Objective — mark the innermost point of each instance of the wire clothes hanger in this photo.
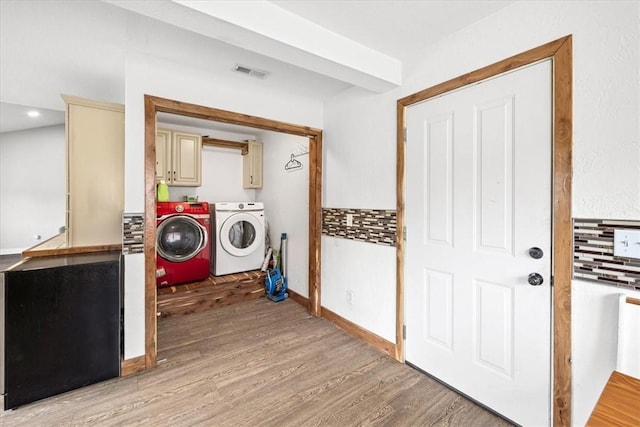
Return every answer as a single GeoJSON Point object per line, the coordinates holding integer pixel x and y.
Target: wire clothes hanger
{"type": "Point", "coordinates": [292, 164]}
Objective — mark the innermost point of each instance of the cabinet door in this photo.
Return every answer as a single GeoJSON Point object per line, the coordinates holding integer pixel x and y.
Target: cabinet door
{"type": "Point", "coordinates": [95, 173]}
{"type": "Point", "coordinates": [62, 328]}
{"type": "Point", "coordinates": [163, 154]}
{"type": "Point", "coordinates": [252, 166]}
{"type": "Point", "coordinates": [186, 159]}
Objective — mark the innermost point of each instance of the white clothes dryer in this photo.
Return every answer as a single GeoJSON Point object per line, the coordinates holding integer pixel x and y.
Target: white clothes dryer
{"type": "Point", "coordinates": [239, 237]}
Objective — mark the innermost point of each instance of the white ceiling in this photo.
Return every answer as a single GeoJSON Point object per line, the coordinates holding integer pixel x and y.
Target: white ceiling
{"type": "Point", "coordinates": [403, 29]}
{"type": "Point", "coordinates": [14, 117]}
{"type": "Point", "coordinates": [315, 48]}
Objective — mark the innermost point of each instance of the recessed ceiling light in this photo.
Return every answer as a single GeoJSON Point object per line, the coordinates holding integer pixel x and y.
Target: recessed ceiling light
{"type": "Point", "coordinates": [33, 113]}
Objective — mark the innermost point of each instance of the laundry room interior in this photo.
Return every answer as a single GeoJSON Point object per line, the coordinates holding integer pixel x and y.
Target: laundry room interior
{"type": "Point", "coordinates": [282, 160]}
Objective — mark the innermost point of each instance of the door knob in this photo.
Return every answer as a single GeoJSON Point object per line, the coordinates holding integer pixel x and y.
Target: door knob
{"type": "Point", "coordinates": [536, 253]}
{"type": "Point", "coordinates": [535, 279]}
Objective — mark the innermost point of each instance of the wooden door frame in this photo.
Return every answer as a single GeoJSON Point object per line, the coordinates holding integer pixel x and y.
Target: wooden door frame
{"type": "Point", "coordinates": [560, 53]}
{"type": "Point", "coordinates": [154, 105]}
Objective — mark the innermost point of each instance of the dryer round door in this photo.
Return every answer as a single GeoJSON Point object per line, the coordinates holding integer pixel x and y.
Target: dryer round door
{"type": "Point", "coordinates": [180, 238]}
{"type": "Point", "coordinates": [241, 234]}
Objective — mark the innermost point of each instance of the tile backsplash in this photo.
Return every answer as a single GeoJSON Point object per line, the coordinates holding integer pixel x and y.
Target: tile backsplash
{"type": "Point", "coordinates": [132, 233]}
{"type": "Point", "coordinates": [593, 257]}
{"type": "Point", "coordinates": [368, 225]}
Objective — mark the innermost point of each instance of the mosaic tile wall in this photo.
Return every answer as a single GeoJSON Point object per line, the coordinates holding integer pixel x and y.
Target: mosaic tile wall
{"type": "Point", "coordinates": [593, 253]}
{"type": "Point", "coordinates": [369, 225]}
{"type": "Point", "coordinates": [132, 233]}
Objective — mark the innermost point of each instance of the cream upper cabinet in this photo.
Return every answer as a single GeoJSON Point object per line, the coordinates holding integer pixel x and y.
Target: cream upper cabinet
{"type": "Point", "coordinates": [179, 158]}
{"type": "Point", "coordinates": [95, 172]}
{"type": "Point", "coordinates": [163, 154]}
{"type": "Point", "coordinates": [252, 166]}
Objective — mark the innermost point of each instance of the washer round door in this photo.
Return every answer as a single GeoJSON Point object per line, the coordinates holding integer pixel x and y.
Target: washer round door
{"type": "Point", "coordinates": [241, 234]}
{"type": "Point", "coordinates": [179, 238]}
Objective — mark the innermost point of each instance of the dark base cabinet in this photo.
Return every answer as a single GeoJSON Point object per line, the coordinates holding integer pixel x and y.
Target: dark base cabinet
{"type": "Point", "coordinates": [61, 325]}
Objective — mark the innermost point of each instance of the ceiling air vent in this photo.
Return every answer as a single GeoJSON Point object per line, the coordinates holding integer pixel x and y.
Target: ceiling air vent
{"type": "Point", "coordinates": [253, 72]}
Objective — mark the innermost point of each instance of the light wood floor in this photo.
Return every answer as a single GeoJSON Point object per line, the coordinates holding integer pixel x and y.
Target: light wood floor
{"type": "Point", "coordinates": [260, 363]}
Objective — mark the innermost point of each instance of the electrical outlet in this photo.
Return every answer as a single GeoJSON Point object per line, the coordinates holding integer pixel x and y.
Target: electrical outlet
{"type": "Point", "coordinates": [349, 297]}
{"type": "Point", "coordinates": [349, 220]}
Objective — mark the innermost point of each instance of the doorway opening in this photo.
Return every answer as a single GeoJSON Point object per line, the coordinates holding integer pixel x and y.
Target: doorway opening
{"type": "Point", "coordinates": [154, 105]}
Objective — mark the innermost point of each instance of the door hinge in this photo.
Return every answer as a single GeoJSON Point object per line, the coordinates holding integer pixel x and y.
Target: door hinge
{"type": "Point", "coordinates": [404, 332]}
{"type": "Point", "coordinates": [551, 284]}
{"type": "Point", "coordinates": [404, 135]}
{"type": "Point", "coordinates": [404, 233]}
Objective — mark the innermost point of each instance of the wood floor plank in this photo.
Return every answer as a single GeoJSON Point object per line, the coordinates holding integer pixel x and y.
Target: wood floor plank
{"type": "Point", "coordinates": [259, 363]}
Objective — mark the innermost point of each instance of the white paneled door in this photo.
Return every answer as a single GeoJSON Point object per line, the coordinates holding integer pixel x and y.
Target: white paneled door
{"type": "Point", "coordinates": [478, 215]}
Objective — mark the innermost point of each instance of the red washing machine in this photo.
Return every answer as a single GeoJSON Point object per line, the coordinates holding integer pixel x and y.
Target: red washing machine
{"type": "Point", "coordinates": [182, 242]}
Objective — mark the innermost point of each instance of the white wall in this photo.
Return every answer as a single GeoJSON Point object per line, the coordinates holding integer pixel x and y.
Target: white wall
{"type": "Point", "coordinates": [32, 187]}
{"type": "Point", "coordinates": [360, 141]}
{"type": "Point", "coordinates": [595, 326]}
{"type": "Point", "coordinates": [221, 177]}
{"type": "Point", "coordinates": [180, 81]}
{"type": "Point", "coordinates": [285, 195]}
{"type": "Point", "coordinates": [359, 171]}
{"type": "Point", "coordinates": [367, 272]}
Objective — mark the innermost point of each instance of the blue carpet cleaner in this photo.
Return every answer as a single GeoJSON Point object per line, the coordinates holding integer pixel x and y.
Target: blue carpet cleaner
{"type": "Point", "coordinates": [275, 282]}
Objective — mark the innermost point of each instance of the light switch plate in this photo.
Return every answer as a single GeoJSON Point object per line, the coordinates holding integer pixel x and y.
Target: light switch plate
{"type": "Point", "coordinates": [626, 243]}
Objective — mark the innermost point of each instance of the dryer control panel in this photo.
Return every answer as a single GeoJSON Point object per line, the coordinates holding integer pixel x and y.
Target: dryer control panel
{"type": "Point", "coordinates": [238, 206]}
{"type": "Point", "coordinates": [167, 208]}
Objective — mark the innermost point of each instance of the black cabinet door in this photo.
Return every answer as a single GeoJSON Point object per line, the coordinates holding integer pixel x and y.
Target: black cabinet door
{"type": "Point", "coordinates": [62, 329]}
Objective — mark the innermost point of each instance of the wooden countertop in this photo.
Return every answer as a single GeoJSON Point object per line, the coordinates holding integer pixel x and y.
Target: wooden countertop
{"type": "Point", "coordinates": [41, 263]}
{"type": "Point", "coordinates": [619, 403]}
{"type": "Point", "coordinates": [57, 245]}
